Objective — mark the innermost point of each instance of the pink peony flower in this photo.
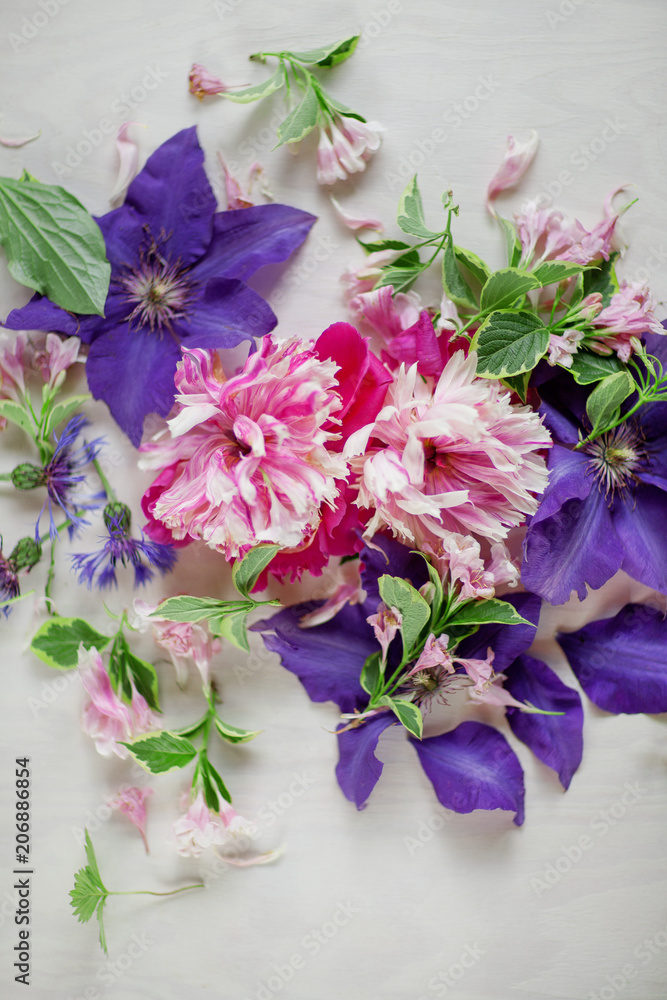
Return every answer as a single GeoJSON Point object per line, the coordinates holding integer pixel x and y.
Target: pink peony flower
{"type": "Point", "coordinates": [187, 643]}
{"type": "Point", "coordinates": [198, 829]}
{"type": "Point", "coordinates": [106, 718]}
{"type": "Point", "coordinates": [518, 157]}
{"type": "Point", "coordinates": [452, 455]}
{"type": "Point", "coordinates": [204, 84]}
{"type": "Point", "coordinates": [626, 318]}
{"type": "Point", "coordinates": [132, 803]}
{"type": "Point", "coordinates": [249, 455]}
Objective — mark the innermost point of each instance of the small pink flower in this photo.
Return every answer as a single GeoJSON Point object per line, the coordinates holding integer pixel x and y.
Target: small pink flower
{"type": "Point", "coordinates": [386, 624]}
{"type": "Point", "coordinates": [106, 718]}
{"type": "Point", "coordinates": [563, 346]}
{"type": "Point", "coordinates": [187, 643]}
{"type": "Point", "coordinates": [518, 157]}
{"type": "Point", "coordinates": [14, 359]}
{"type": "Point", "coordinates": [241, 196]}
{"type": "Point", "coordinates": [198, 829]}
{"type": "Point", "coordinates": [479, 671]}
{"type": "Point", "coordinates": [434, 654]}
{"type": "Point", "coordinates": [250, 455]}
{"type": "Point", "coordinates": [204, 84]}
{"type": "Point", "coordinates": [329, 167]}
{"type": "Point", "coordinates": [55, 358]}
{"type": "Point", "coordinates": [459, 558]}
{"type": "Point", "coordinates": [132, 803]}
{"type": "Point", "coordinates": [628, 315]}
{"type": "Point", "coordinates": [345, 146]}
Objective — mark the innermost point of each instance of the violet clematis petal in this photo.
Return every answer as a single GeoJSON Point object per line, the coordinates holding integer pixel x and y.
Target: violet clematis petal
{"type": "Point", "coordinates": [388, 556]}
{"type": "Point", "coordinates": [620, 662]}
{"type": "Point", "coordinates": [227, 313]}
{"type": "Point", "coordinates": [558, 551]}
{"type": "Point", "coordinates": [41, 314]}
{"type": "Point", "coordinates": [249, 238]}
{"type": "Point", "coordinates": [556, 739]}
{"type": "Point", "coordinates": [327, 658]}
{"type": "Point", "coordinates": [473, 767]}
{"type": "Point", "coordinates": [358, 769]}
{"type": "Point", "coordinates": [124, 236]}
{"type": "Point", "coordinates": [173, 192]}
{"type": "Point", "coordinates": [654, 430]}
{"type": "Point", "coordinates": [640, 524]}
{"type": "Point", "coordinates": [569, 479]}
{"type": "Point", "coordinates": [506, 641]}
{"type": "Point", "coordinates": [118, 362]}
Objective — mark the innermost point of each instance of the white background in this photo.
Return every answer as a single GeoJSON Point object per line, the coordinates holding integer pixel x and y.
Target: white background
{"type": "Point", "coordinates": [590, 77]}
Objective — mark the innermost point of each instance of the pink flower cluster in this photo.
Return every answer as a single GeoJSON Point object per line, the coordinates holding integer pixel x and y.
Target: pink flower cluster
{"type": "Point", "coordinates": [106, 718]}
{"type": "Point", "coordinates": [345, 146]}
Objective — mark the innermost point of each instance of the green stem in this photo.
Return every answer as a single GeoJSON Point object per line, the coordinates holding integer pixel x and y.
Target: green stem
{"type": "Point", "coordinates": [49, 579]}
{"type": "Point", "coordinates": [5, 477]}
{"type": "Point", "coordinates": [108, 489]}
{"type": "Point", "coordinates": [149, 892]}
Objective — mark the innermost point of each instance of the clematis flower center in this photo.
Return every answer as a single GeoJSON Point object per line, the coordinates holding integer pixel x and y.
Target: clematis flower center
{"type": "Point", "coordinates": [158, 291]}
{"type": "Point", "coordinates": [615, 458]}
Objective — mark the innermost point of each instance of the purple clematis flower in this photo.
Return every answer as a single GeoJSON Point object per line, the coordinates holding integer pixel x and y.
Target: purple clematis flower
{"type": "Point", "coordinates": [471, 766]}
{"type": "Point", "coordinates": [178, 272]}
{"type": "Point", "coordinates": [605, 506]}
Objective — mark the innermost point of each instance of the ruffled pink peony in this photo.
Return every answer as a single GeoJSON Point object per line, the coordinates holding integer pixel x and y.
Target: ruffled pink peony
{"type": "Point", "coordinates": [249, 456]}
{"type": "Point", "coordinates": [187, 643]}
{"type": "Point", "coordinates": [106, 718]}
{"type": "Point", "coordinates": [454, 455]}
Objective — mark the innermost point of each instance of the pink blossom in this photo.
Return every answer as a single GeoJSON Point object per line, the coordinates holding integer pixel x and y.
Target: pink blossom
{"type": "Point", "coordinates": [347, 589]}
{"type": "Point", "coordinates": [434, 654]}
{"type": "Point", "coordinates": [14, 358]}
{"type": "Point", "coordinates": [385, 313]}
{"type": "Point", "coordinates": [187, 643]}
{"type": "Point", "coordinates": [563, 346]}
{"type": "Point", "coordinates": [249, 454]}
{"type": "Point", "coordinates": [55, 358]}
{"type": "Point", "coordinates": [241, 196]}
{"type": "Point", "coordinates": [495, 694]}
{"type": "Point", "coordinates": [329, 167]}
{"type": "Point", "coordinates": [479, 671]}
{"type": "Point", "coordinates": [132, 803]}
{"type": "Point", "coordinates": [344, 147]}
{"type": "Point", "coordinates": [198, 829]}
{"type": "Point", "coordinates": [518, 157]}
{"type": "Point", "coordinates": [106, 718]}
{"type": "Point", "coordinates": [452, 455]}
{"type": "Point", "coordinates": [459, 558]}
{"type": "Point", "coordinates": [356, 222]}
{"type": "Point", "coordinates": [628, 315]}
{"type": "Point", "coordinates": [204, 84]}
{"type": "Point", "coordinates": [386, 623]}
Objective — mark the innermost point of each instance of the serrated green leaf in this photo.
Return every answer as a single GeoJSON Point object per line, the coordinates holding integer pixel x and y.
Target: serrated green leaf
{"type": "Point", "coordinates": [588, 367]}
{"type": "Point", "coordinates": [162, 752]}
{"type": "Point", "coordinates": [398, 593]}
{"type": "Point", "coordinates": [453, 282]}
{"type": "Point", "coordinates": [247, 571]}
{"type": "Point", "coordinates": [54, 245]}
{"type": "Point", "coordinates": [57, 641]}
{"type": "Point", "coordinates": [17, 414]}
{"type": "Point", "coordinates": [194, 609]}
{"type": "Point", "coordinates": [509, 343]}
{"type": "Point", "coordinates": [301, 120]}
{"type": "Point", "coordinates": [504, 287]}
{"type": "Point", "coordinates": [607, 396]}
{"type": "Point", "coordinates": [62, 411]}
{"type": "Point", "coordinates": [485, 613]}
{"type": "Point", "coordinates": [519, 384]}
{"type": "Point", "coordinates": [145, 680]}
{"type": "Point", "coordinates": [371, 674]}
{"type": "Point", "coordinates": [258, 91]}
{"type": "Point", "coordinates": [408, 714]}
{"type": "Point", "coordinates": [232, 734]}
{"type": "Point", "coordinates": [557, 270]}
{"type": "Point", "coordinates": [327, 55]}
{"type": "Point", "coordinates": [86, 895]}
{"type": "Point", "coordinates": [602, 279]}
{"type": "Point", "coordinates": [400, 278]}
{"type": "Point", "coordinates": [233, 628]}
{"type": "Point", "coordinates": [411, 212]}
{"type": "Point", "coordinates": [377, 245]}
{"type": "Point", "coordinates": [512, 242]}
{"type": "Point", "coordinates": [477, 267]}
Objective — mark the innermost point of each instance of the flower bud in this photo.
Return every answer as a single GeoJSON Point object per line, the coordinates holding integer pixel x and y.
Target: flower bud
{"type": "Point", "coordinates": [26, 553]}
{"type": "Point", "coordinates": [117, 516]}
{"type": "Point", "coordinates": [28, 477]}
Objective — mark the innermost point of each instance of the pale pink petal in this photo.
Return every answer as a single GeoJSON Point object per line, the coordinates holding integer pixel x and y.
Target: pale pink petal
{"type": "Point", "coordinates": [356, 222]}
{"type": "Point", "coordinates": [128, 159]}
{"type": "Point", "coordinates": [18, 142]}
{"type": "Point", "coordinates": [132, 803]}
{"type": "Point", "coordinates": [518, 157]}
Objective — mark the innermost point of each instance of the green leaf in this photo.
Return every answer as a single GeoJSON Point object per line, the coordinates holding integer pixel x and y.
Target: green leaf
{"type": "Point", "coordinates": [416, 612]}
{"type": "Point", "coordinates": [408, 714]}
{"type": "Point", "coordinates": [453, 282]}
{"type": "Point", "coordinates": [211, 781]}
{"type": "Point", "coordinates": [89, 893]}
{"type": "Point", "coordinates": [557, 270]}
{"type": "Point", "coordinates": [371, 674]}
{"type": "Point", "coordinates": [57, 641]}
{"type": "Point", "coordinates": [62, 411]}
{"type": "Point", "coordinates": [247, 571]}
{"type": "Point", "coordinates": [509, 343]}
{"type": "Point", "coordinates": [301, 120]}
{"type": "Point", "coordinates": [53, 245]}
{"type": "Point", "coordinates": [343, 109]}
{"type": "Point", "coordinates": [232, 734]}
{"type": "Point", "coordinates": [194, 609]}
{"type": "Point", "coordinates": [519, 384]}
{"type": "Point", "coordinates": [486, 612]}
{"type": "Point", "coordinates": [144, 676]}
{"type": "Point", "coordinates": [602, 279]}
{"type": "Point", "coordinates": [512, 242]}
{"type": "Point", "coordinates": [411, 212]}
{"type": "Point", "coordinates": [473, 263]}
{"type": "Point", "coordinates": [257, 92]}
{"type": "Point", "coordinates": [434, 576]}
{"type": "Point", "coordinates": [377, 245]}
{"type": "Point", "coordinates": [327, 55]}
{"type": "Point", "coordinates": [18, 415]}
{"type": "Point", "coordinates": [162, 752]}
{"type": "Point", "coordinates": [607, 396]}
{"type": "Point", "coordinates": [233, 628]}
{"type": "Point", "coordinates": [504, 287]}
{"type": "Point", "coordinates": [588, 367]}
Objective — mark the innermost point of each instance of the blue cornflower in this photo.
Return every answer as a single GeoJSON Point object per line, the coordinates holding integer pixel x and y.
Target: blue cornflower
{"type": "Point", "coordinates": [62, 475]}
{"type": "Point", "coordinates": [119, 546]}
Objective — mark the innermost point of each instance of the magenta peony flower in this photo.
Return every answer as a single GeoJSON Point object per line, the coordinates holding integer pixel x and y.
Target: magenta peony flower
{"type": "Point", "coordinates": [249, 454]}
{"type": "Point", "coordinates": [452, 455]}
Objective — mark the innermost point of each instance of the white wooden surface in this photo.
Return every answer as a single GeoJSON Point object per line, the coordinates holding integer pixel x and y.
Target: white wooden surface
{"type": "Point", "coordinates": [409, 901]}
